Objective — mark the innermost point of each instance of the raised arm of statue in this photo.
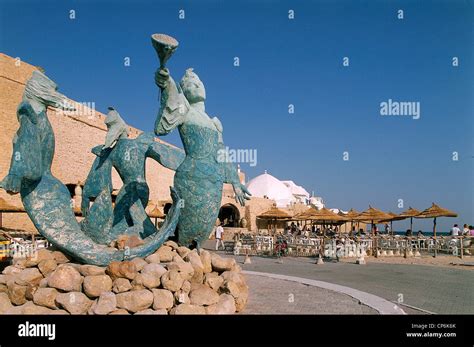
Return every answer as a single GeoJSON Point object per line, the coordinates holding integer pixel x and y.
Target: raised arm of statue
{"type": "Point", "coordinates": [173, 103]}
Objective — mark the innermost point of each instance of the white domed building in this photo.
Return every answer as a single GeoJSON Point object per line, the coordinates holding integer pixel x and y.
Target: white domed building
{"type": "Point", "coordinates": [267, 186]}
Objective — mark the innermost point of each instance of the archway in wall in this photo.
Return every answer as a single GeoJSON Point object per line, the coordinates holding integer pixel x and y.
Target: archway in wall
{"type": "Point", "coordinates": [229, 215]}
{"type": "Point", "coordinates": [167, 207]}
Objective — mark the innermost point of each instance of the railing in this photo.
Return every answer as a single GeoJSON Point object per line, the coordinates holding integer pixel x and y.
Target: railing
{"type": "Point", "coordinates": [340, 246]}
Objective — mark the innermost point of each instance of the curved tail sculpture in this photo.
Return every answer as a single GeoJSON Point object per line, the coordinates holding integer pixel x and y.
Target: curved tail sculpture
{"type": "Point", "coordinates": [47, 201]}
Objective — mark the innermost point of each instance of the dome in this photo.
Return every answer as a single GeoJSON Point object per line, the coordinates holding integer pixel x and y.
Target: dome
{"type": "Point", "coordinates": [268, 186]}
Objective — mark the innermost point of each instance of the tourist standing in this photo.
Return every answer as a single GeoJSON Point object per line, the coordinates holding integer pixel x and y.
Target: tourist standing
{"type": "Point", "coordinates": [455, 230]}
{"type": "Point", "coordinates": [219, 234]}
{"type": "Point", "coordinates": [465, 231]}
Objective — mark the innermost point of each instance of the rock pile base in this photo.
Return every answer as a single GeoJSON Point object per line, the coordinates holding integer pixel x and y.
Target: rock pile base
{"type": "Point", "coordinates": [173, 280]}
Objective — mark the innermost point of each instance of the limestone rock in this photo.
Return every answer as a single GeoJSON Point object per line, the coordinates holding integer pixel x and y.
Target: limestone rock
{"type": "Point", "coordinates": [226, 305]}
{"type": "Point", "coordinates": [135, 301]}
{"type": "Point", "coordinates": [206, 260]}
{"type": "Point", "coordinates": [46, 297]}
{"type": "Point", "coordinates": [162, 299]}
{"type": "Point", "coordinates": [213, 280]}
{"type": "Point", "coordinates": [11, 270]}
{"type": "Point", "coordinates": [196, 262]}
{"type": "Point", "coordinates": [171, 244]}
{"type": "Point", "coordinates": [65, 278]}
{"type": "Point", "coordinates": [186, 270]}
{"type": "Point", "coordinates": [91, 270]}
{"type": "Point", "coordinates": [166, 254]}
{"type": "Point", "coordinates": [43, 283]}
{"type": "Point", "coordinates": [220, 264]}
{"type": "Point", "coordinates": [5, 303]}
{"type": "Point", "coordinates": [60, 257]}
{"type": "Point", "coordinates": [186, 287]}
{"type": "Point", "coordinates": [188, 309]}
{"type": "Point", "coordinates": [95, 285]}
{"type": "Point", "coordinates": [17, 293]}
{"type": "Point", "coordinates": [183, 251]}
{"type": "Point", "coordinates": [154, 269]}
{"type": "Point", "coordinates": [3, 288]}
{"type": "Point", "coordinates": [74, 302]}
{"type": "Point", "coordinates": [172, 280]}
{"type": "Point", "coordinates": [29, 308]}
{"type": "Point", "coordinates": [121, 285]}
{"type": "Point", "coordinates": [47, 266]}
{"type": "Point", "coordinates": [203, 296]}
{"type": "Point", "coordinates": [177, 259]}
{"type": "Point", "coordinates": [121, 269]}
{"type": "Point", "coordinates": [139, 263]}
{"type": "Point", "coordinates": [146, 280]}
{"type": "Point", "coordinates": [153, 258]}
{"type": "Point", "coordinates": [181, 297]}
{"type": "Point", "coordinates": [120, 312]}
{"type": "Point", "coordinates": [106, 304]}
{"type": "Point", "coordinates": [29, 276]}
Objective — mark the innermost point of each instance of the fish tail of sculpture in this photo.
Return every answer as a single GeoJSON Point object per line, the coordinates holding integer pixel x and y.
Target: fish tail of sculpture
{"type": "Point", "coordinates": [48, 205]}
{"type": "Point", "coordinates": [99, 218]}
{"type": "Point", "coordinates": [167, 230]}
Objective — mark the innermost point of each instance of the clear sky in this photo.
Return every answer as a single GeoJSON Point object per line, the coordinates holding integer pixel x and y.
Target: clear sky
{"type": "Point", "coordinates": [282, 62]}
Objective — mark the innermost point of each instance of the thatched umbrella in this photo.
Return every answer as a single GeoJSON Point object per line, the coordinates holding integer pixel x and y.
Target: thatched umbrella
{"type": "Point", "coordinates": [394, 217]}
{"type": "Point", "coordinates": [410, 213]}
{"type": "Point", "coordinates": [434, 212]}
{"type": "Point", "coordinates": [350, 215]}
{"type": "Point", "coordinates": [373, 215]}
{"type": "Point", "coordinates": [156, 213]}
{"type": "Point", "coordinates": [273, 215]}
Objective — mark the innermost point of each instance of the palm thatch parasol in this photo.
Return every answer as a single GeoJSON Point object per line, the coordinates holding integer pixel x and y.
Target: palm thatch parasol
{"type": "Point", "coordinates": [434, 212]}
{"type": "Point", "coordinates": [372, 215]}
{"type": "Point", "coordinates": [350, 215]}
{"type": "Point", "coordinates": [156, 213]}
{"type": "Point", "coordinates": [393, 218]}
{"type": "Point", "coordinates": [410, 213]}
{"type": "Point", "coordinates": [273, 215]}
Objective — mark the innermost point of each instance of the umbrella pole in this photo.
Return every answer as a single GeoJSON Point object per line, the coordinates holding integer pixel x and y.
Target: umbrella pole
{"type": "Point", "coordinates": [411, 224]}
{"type": "Point", "coordinates": [434, 235]}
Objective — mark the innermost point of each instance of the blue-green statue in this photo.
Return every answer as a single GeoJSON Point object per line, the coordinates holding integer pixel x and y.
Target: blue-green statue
{"type": "Point", "coordinates": [128, 157]}
{"type": "Point", "coordinates": [200, 177]}
{"type": "Point", "coordinates": [48, 202]}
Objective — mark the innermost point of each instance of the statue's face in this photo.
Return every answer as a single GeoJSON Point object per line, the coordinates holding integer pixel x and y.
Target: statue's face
{"type": "Point", "coordinates": [194, 89]}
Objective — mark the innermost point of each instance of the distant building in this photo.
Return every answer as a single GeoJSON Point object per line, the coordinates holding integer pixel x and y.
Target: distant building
{"type": "Point", "coordinates": [285, 193]}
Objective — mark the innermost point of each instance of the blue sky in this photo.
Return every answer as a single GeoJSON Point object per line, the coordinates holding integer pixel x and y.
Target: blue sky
{"type": "Point", "coordinates": [286, 62]}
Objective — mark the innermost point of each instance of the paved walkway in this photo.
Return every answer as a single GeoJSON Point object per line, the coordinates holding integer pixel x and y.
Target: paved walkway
{"type": "Point", "coordinates": [438, 290]}
{"type": "Point", "coordinates": [276, 296]}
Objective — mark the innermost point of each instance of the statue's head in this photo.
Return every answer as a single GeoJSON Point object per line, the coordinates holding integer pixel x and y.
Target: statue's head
{"type": "Point", "coordinates": [192, 87]}
{"type": "Point", "coordinates": [42, 90]}
{"type": "Point", "coordinates": [116, 128]}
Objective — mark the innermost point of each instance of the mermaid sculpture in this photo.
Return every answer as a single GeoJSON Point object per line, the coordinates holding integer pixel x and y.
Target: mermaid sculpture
{"type": "Point", "coordinates": [200, 177]}
{"type": "Point", "coordinates": [128, 157]}
{"type": "Point", "coordinates": [47, 200]}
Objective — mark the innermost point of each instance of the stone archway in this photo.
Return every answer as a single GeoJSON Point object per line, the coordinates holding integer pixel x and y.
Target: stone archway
{"type": "Point", "coordinates": [167, 207]}
{"type": "Point", "coordinates": [229, 215]}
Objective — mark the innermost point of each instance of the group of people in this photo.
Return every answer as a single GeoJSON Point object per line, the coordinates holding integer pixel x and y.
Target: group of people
{"type": "Point", "coordinates": [466, 231]}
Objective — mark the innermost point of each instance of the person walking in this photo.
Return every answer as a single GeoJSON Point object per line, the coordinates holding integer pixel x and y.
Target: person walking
{"type": "Point", "coordinates": [219, 234]}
